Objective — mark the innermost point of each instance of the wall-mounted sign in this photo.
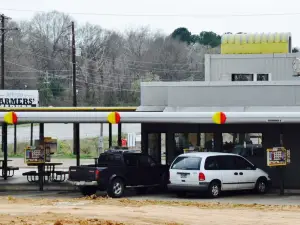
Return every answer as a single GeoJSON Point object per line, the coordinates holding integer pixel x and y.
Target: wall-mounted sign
{"type": "Point", "coordinates": [19, 98]}
{"type": "Point", "coordinates": [50, 144]}
{"type": "Point", "coordinates": [36, 155]}
{"type": "Point", "coordinates": [278, 156]}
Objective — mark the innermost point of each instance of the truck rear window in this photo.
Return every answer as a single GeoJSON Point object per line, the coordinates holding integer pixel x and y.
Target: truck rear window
{"type": "Point", "coordinates": [186, 163]}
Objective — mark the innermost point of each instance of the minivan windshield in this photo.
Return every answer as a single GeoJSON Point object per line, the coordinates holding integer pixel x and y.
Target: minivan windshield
{"type": "Point", "coordinates": [186, 163]}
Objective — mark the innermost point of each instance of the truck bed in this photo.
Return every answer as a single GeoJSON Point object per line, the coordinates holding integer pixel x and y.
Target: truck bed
{"type": "Point", "coordinates": [84, 173]}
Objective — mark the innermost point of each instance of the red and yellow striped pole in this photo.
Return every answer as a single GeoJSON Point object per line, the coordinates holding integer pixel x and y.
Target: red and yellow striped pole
{"type": "Point", "coordinates": [10, 118]}
{"type": "Point", "coordinates": [219, 118]}
{"type": "Point", "coordinates": [114, 117]}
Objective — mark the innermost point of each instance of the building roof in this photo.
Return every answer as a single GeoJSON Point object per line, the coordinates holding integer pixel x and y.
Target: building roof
{"type": "Point", "coordinates": [220, 83]}
{"type": "Point", "coordinates": [220, 109]}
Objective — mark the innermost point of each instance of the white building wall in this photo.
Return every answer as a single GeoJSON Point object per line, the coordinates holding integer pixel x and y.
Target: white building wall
{"type": "Point", "coordinates": [221, 67]}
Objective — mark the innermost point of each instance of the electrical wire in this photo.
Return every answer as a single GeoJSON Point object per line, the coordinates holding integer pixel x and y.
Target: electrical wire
{"type": "Point", "coordinates": [93, 84]}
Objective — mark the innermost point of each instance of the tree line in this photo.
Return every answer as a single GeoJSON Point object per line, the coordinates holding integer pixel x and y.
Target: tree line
{"type": "Point", "coordinates": [111, 64]}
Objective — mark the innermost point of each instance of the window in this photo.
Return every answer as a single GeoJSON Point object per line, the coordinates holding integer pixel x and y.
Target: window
{"type": "Point", "coordinates": [242, 164]}
{"type": "Point", "coordinates": [263, 77]}
{"type": "Point", "coordinates": [226, 162]}
{"type": "Point", "coordinates": [242, 77]}
{"type": "Point", "coordinates": [145, 160]}
{"type": "Point", "coordinates": [130, 160]}
{"type": "Point", "coordinates": [211, 163]}
{"type": "Point", "coordinates": [110, 159]}
{"type": "Point", "coordinates": [186, 163]}
{"type": "Point", "coordinates": [243, 144]}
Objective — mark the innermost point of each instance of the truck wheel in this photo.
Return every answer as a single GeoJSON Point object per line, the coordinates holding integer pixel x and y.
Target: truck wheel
{"type": "Point", "coordinates": [88, 191]}
{"type": "Point", "coordinates": [116, 188]}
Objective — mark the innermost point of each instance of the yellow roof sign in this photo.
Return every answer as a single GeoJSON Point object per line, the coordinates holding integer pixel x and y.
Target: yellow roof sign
{"type": "Point", "coordinates": [256, 43]}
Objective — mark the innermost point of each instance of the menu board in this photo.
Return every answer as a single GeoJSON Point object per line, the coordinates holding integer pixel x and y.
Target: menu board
{"type": "Point", "coordinates": [277, 156]}
{"type": "Point", "coordinates": [36, 155]}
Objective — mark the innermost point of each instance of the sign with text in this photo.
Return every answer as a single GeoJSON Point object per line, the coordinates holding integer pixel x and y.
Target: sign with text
{"type": "Point", "coordinates": [278, 156]}
{"type": "Point", "coordinates": [19, 98]}
{"type": "Point", "coordinates": [36, 155]}
{"type": "Point", "coordinates": [50, 144]}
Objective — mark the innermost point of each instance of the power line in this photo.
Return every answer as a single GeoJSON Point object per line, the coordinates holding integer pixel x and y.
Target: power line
{"type": "Point", "coordinates": [161, 15]}
{"type": "Point", "coordinates": [36, 70]}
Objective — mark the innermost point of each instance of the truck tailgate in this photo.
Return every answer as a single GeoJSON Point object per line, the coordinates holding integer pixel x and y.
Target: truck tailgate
{"type": "Point", "coordinates": [82, 173]}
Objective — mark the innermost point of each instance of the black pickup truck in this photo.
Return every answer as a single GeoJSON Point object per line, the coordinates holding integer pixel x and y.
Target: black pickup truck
{"type": "Point", "coordinates": [117, 170]}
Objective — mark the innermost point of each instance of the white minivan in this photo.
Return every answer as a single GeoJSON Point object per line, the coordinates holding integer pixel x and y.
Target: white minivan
{"type": "Point", "coordinates": [214, 172]}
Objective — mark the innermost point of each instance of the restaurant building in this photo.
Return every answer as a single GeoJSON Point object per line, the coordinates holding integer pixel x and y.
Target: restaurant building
{"type": "Point", "coordinates": [253, 73]}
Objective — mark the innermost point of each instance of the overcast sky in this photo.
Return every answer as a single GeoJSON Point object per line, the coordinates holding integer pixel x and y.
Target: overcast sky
{"type": "Point", "coordinates": [203, 9]}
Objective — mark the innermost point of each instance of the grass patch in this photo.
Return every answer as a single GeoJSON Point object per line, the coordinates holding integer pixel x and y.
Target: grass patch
{"type": "Point", "coordinates": [88, 148]}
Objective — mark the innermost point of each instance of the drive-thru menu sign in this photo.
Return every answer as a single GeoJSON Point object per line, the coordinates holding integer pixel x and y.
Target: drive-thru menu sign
{"type": "Point", "coordinates": [19, 98]}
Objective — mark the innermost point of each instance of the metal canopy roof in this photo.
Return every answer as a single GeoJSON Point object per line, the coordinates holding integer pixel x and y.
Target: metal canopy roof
{"type": "Point", "coordinates": [155, 117]}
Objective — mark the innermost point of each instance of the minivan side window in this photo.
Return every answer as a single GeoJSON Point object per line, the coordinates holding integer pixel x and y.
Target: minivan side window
{"type": "Point", "coordinates": [242, 164]}
{"type": "Point", "coordinates": [226, 162]}
{"type": "Point", "coordinates": [211, 163]}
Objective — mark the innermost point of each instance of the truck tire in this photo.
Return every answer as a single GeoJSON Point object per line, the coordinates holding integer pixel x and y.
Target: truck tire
{"type": "Point", "coordinates": [88, 191]}
{"type": "Point", "coordinates": [116, 188]}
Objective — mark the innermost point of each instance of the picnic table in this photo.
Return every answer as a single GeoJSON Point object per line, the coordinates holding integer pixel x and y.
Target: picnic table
{"type": "Point", "coordinates": [10, 169]}
{"type": "Point", "coordinates": [46, 172]}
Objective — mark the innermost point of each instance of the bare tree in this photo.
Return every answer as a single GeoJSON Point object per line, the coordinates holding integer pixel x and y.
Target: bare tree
{"type": "Point", "coordinates": [111, 65]}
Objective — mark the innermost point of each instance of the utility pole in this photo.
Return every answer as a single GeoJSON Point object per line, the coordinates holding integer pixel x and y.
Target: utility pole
{"type": "Point", "coordinates": [76, 134]}
{"type": "Point", "coordinates": [4, 125]}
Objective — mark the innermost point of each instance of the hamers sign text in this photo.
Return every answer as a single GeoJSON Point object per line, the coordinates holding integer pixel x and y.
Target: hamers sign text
{"type": "Point", "coordinates": [19, 98]}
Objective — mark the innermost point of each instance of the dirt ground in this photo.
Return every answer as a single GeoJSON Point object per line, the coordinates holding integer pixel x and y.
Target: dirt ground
{"type": "Point", "coordinates": [105, 211]}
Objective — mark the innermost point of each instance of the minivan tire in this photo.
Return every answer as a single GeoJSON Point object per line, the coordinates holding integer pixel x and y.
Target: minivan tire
{"type": "Point", "coordinates": [88, 190]}
{"type": "Point", "coordinates": [214, 189]}
{"type": "Point", "coordinates": [116, 188]}
{"type": "Point", "coordinates": [261, 186]}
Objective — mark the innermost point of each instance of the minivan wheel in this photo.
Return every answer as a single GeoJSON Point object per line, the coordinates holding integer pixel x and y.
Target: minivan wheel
{"type": "Point", "coordinates": [261, 186]}
{"type": "Point", "coordinates": [116, 188]}
{"type": "Point", "coordinates": [214, 190]}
